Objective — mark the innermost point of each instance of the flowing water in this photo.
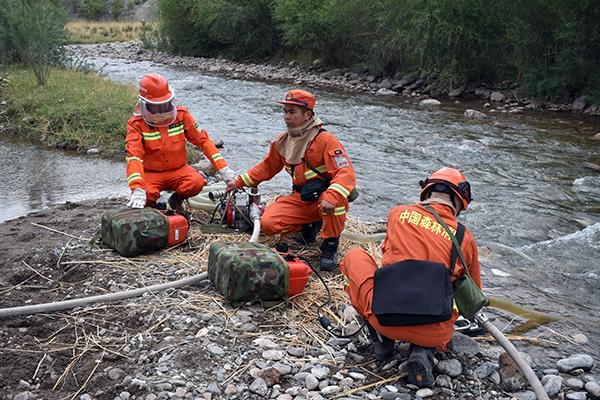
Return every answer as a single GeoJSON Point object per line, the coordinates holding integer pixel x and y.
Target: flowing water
{"type": "Point", "coordinates": [531, 188]}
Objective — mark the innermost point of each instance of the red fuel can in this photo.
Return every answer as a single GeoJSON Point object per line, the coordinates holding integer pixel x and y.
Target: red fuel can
{"type": "Point", "coordinates": [299, 274]}
{"type": "Point", "coordinates": [178, 229]}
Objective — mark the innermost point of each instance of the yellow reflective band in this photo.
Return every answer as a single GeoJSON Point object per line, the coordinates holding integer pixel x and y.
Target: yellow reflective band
{"type": "Point", "coordinates": [134, 177]}
{"type": "Point", "coordinates": [346, 280]}
{"type": "Point", "coordinates": [340, 189]}
{"type": "Point", "coordinates": [339, 211]}
{"type": "Point", "coordinates": [247, 180]}
{"type": "Point", "coordinates": [217, 156]}
{"type": "Point", "coordinates": [129, 159]}
{"type": "Point", "coordinates": [176, 132]}
{"type": "Point", "coordinates": [288, 170]}
{"type": "Point", "coordinates": [151, 135]}
{"type": "Point", "coordinates": [309, 173]}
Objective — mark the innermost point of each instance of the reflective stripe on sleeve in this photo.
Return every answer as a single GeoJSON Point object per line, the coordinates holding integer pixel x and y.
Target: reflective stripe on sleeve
{"type": "Point", "coordinates": [217, 157]}
{"type": "Point", "coordinates": [247, 180]}
{"type": "Point", "coordinates": [133, 177]}
{"type": "Point", "coordinates": [341, 210]}
{"type": "Point", "coordinates": [340, 189]}
{"type": "Point", "coordinates": [309, 173]}
{"type": "Point", "coordinates": [129, 159]}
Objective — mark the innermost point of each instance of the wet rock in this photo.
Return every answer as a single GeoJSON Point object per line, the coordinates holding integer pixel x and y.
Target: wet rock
{"type": "Point", "coordinates": [596, 136]}
{"type": "Point", "coordinates": [497, 96]}
{"type": "Point", "coordinates": [385, 84]}
{"type": "Point", "coordinates": [574, 362]}
{"type": "Point", "coordinates": [430, 102]}
{"type": "Point", "coordinates": [487, 105]}
{"type": "Point", "coordinates": [424, 393]}
{"type": "Point", "coordinates": [456, 92]}
{"type": "Point", "coordinates": [474, 114]}
{"type": "Point", "coordinates": [259, 387]}
{"type": "Point", "coordinates": [552, 384]}
{"type": "Point", "coordinates": [452, 367]}
{"type": "Point", "coordinates": [579, 104]}
{"type": "Point", "coordinates": [576, 396]}
{"type": "Point", "coordinates": [593, 388]}
{"type": "Point", "coordinates": [385, 92]}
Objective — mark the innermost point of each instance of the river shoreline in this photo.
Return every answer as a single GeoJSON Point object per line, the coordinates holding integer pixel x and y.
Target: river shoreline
{"type": "Point", "coordinates": [500, 98]}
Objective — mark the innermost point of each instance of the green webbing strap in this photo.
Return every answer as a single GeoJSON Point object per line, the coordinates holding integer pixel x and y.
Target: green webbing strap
{"type": "Point", "coordinates": [454, 241]}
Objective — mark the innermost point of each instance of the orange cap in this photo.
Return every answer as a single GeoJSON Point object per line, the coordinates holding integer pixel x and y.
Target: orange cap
{"type": "Point", "coordinates": [299, 97]}
{"type": "Point", "coordinates": [155, 89]}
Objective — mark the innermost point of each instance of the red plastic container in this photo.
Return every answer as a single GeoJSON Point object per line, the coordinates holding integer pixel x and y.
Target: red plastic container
{"type": "Point", "coordinates": [299, 274]}
{"type": "Point", "coordinates": [178, 229]}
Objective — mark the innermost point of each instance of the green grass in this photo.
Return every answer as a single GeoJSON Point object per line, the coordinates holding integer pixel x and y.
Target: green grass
{"type": "Point", "coordinates": [84, 32]}
{"type": "Point", "coordinates": [74, 111]}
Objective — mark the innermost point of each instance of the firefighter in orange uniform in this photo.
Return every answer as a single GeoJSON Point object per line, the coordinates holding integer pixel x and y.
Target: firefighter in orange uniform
{"type": "Point", "coordinates": [155, 146]}
{"type": "Point", "coordinates": [414, 234]}
{"type": "Point", "coordinates": [322, 175]}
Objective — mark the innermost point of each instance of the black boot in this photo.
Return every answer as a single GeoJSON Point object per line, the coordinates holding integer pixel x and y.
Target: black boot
{"type": "Point", "coordinates": [383, 346]}
{"type": "Point", "coordinates": [419, 367]}
{"type": "Point", "coordinates": [329, 256]}
{"type": "Point", "coordinates": [309, 232]}
{"type": "Point", "coordinates": [176, 202]}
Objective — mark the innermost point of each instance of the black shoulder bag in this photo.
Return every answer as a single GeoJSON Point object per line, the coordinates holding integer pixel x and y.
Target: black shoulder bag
{"type": "Point", "coordinates": [312, 189]}
{"type": "Point", "coordinates": [468, 296]}
{"type": "Point", "coordinates": [414, 292]}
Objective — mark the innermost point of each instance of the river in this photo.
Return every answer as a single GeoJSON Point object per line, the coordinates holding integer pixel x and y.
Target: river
{"type": "Point", "coordinates": [532, 190]}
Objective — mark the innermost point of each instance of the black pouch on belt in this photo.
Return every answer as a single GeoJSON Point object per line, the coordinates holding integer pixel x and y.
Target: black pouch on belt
{"type": "Point", "coordinates": [311, 190]}
{"type": "Point", "coordinates": [412, 292]}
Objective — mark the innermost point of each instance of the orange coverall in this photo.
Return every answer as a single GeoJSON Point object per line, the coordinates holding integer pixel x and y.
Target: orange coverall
{"type": "Point", "coordinates": [156, 156]}
{"type": "Point", "coordinates": [412, 233]}
{"type": "Point", "coordinates": [288, 213]}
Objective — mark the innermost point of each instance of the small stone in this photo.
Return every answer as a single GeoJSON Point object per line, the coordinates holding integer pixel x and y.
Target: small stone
{"type": "Point", "coordinates": [215, 349]}
{"type": "Point", "coordinates": [311, 382]}
{"type": "Point", "coordinates": [284, 396]}
{"type": "Point", "coordinates": [485, 370]}
{"type": "Point", "coordinates": [593, 388]}
{"type": "Point", "coordinates": [27, 395]}
{"type": "Point", "coordinates": [464, 344]}
{"type": "Point", "coordinates": [451, 367]}
{"type": "Point", "coordinates": [443, 381]}
{"type": "Point", "coordinates": [429, 102]}
{"type": "Point", "coordinates": [576, 396]}
{"type": "Point", "coordinates": [574, 383]}
{"type": "Point", "coordinates": [214, 388]}
{"type": "Point", "coordinates": [574, 362]}
{"type": "Point", "coordinates": [596, 136]}
{"type": "Point", "coordinates": [474, 114]}
{"type": "Point", "coordinates": [230, 389]}
{"type": "Point", "coordinates": [93, 151]}
{"type": "Point", "coordinates": [85, 396]}
{"type": "Point", "coordinates": [259, 387]}
{"type": "Point", "coordinates": [296, 351]}
{"type": "Point", "coordinates": [116, 374]}
{"type": "Point", "coordinates": [269, 375]}
{"type": "Point", "coordinates": [552, 384]}
{"type": "Point", "coordinates": [274, 355]}
{"type": "Point", "coordinates": [327, 390]}
{"type": "Point", "coordinates": [125, 395]}
{"type": "Point", "coordinates": [357, 375]}
{"type": "Point", "coordinates": [180, 392]}
{"type": "Point", "coordinates": [526, 395]}
{"type": "Point", "coordinates": [265, 343]}
{"type": "Point", "coordinates": [424, 393]}
{"type": "Point", "coordinates": [320, 372]}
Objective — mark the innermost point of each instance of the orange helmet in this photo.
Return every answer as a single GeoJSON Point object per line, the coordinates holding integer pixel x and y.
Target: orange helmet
{"type": "Point", "coordinates": [156, 100]}
{"type": "Point", "coordinates": [452, 180]}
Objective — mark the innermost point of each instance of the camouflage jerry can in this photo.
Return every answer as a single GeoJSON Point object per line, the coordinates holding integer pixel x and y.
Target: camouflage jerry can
{"type": "Point", "coordinates": [136, 231]}
{"type": "Point", "coordinates": [248, 271]}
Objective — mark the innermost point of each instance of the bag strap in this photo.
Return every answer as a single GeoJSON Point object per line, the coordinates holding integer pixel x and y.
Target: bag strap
{"type": "Point", "coordinates": [455, 242]}
{"type": "Point", "coordinates": [460, 234]}
{"type": "Point", "coordinates": [316, 171]}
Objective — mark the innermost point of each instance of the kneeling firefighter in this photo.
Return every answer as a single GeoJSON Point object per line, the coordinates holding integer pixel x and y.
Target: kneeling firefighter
{"type": "Point", "coordinates": [410, 297]}
{"type": "Point", "coordinates": [322, 175]}
{"type": "Point", "coordinates": [155, 145]}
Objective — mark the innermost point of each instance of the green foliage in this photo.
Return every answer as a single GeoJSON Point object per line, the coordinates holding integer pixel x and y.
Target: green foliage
{"type": "Point", "coordinates": [116, 8]}
{"type": "Point", "coordinates": [551, 47]}
{"type": "Point", "coordinates": [92, 9]}
{"type": "Point", "coordinates": [219, 27]}
{"type": "Point", "coordinates": [74, 110]}
{"type": "Point", "coordinates": [33, 31]}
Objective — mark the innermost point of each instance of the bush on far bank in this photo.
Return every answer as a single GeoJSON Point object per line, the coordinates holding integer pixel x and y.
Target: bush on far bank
{"type": "Point", "coordinates": [75, 110]}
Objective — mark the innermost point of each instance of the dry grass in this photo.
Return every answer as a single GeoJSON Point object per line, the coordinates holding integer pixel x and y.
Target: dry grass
{"type": "Point", "coordinates": [83, 31]}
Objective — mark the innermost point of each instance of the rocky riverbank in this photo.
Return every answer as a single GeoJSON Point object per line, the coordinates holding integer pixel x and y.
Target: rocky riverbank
{"type": "Point", "coordinates": [190, 344]}
{"type": "Point", "coordinates": [501, 98]}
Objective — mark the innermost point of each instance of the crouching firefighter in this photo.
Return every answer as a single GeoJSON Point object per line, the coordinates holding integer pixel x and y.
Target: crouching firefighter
{"type": "Point", "coordinates": [322, 175]}
{"type": "Point", "coordinates": [155, 145]}
{"type": "Point", "coordinates": [410, 297]}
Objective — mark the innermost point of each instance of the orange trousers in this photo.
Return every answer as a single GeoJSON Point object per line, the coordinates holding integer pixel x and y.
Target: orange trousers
{"type": "Point", "coordinates": [288, 213]}
{"type": "Point", "coordinates": [185, 181]}
{"type": "Point", "coordinates": [358, 268]}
